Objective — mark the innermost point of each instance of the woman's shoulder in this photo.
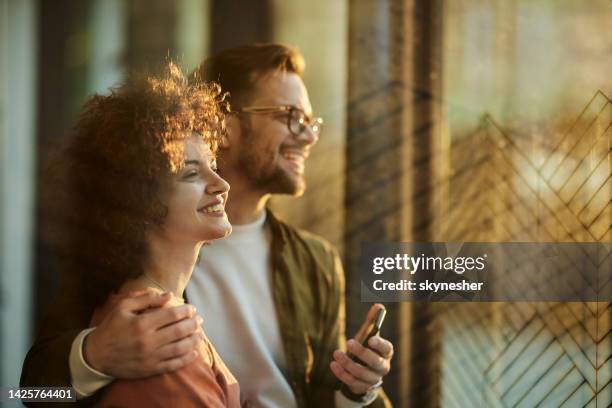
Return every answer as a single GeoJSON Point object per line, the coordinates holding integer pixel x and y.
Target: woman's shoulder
{"type": "Point", "coordinates": [205, 382]}
{"type": "Point", "coordinates": [218, 365]}
{"type": "Point", "coordinates": [196, 384]}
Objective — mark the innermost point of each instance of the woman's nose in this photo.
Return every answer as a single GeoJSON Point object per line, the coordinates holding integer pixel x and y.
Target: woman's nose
{"type": "Point", "coordinates": [217, 185]}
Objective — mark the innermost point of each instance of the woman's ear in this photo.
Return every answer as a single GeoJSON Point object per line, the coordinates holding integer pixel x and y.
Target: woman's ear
{"type": "Point", "coordinates": [232, 134]}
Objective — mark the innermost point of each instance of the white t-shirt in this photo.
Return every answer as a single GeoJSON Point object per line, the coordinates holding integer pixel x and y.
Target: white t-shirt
{"type": "Point", "coordinates": [231, 289]}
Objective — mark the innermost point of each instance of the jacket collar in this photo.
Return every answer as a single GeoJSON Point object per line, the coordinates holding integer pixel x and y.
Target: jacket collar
{"type": "Point", "coordinates": [279, 231]}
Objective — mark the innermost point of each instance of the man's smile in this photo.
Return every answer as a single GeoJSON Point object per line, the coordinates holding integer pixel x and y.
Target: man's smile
{"type": "Point", "coordinates": [295, 157]}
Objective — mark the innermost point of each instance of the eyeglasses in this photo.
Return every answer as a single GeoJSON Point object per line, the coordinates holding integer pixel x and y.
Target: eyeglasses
{"type": "Point", "coordinates": [297, 120]}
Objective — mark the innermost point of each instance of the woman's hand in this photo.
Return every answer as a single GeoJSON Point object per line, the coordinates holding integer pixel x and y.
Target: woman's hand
{"type": "Point", "coordinates": [131, 344]}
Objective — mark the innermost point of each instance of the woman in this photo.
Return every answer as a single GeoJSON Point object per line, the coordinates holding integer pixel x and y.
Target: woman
{"type": "Point", "coordinates": [138, 197]}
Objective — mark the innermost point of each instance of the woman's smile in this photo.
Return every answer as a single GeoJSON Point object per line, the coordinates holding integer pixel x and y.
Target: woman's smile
{"type": "Point", "coordinates": [214, 209]}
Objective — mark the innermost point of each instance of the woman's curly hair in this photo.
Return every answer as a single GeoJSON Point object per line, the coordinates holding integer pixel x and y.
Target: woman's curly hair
{"type": "Point", "coordinates": [105, 184]}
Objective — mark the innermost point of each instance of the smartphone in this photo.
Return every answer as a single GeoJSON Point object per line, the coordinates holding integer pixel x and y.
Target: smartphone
{"type": "Point", "coordinates": [373, 330]}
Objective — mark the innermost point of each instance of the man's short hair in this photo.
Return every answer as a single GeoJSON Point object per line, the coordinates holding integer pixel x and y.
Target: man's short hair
{"type": "Point", "coordinates": [238, 69]}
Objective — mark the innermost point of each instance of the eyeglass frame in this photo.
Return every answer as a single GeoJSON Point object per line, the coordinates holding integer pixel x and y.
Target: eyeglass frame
{"type": "Point", "coordinates": [262, 110]}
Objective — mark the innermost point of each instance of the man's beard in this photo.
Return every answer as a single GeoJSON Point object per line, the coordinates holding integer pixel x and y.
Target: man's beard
{"type": "Point", "coordinates": [268, 177]}
{"type": "Point", "coordinates": [263, 174]}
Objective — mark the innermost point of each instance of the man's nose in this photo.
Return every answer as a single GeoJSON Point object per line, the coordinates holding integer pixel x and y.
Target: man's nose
{"type": "Point", "coordinates": [307, 137]}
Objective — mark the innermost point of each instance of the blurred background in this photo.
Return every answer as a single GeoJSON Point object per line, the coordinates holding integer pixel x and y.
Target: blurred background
{"type": "Point", "coordinates": [445, 120]}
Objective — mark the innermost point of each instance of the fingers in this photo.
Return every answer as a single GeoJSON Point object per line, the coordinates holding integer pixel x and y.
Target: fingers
{"type": "Point", "coordinates": [175, 363]}
{"type": "Point", "coordinates": [144, 300]}
{"type": "Point", "coordinates": [372, 359]}
{"type": "Point", "coordinates": [357, 386]}
{"type": "Point", "coordinates": [361, 377]}
{"type": "Point", "coordinates": [179, 348]}
{"type": "Point", "coordinates": [139, 292]}
{"type": "Point", "coordinates": [381, 346]}
{"type": "Point", "coordinates": [177, 331]}
{"type": "Point", "coordinates": [168, 315]}
{"type": "Point", "coordinates": [361, 373]}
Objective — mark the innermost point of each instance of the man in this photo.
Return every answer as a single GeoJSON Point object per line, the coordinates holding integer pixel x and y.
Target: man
{"type": "Point", "coordinates": [272, 296]}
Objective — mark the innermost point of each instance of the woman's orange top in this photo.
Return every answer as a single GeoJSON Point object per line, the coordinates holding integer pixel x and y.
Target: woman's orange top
{"type": "Point", "coordinates": [205, 382]}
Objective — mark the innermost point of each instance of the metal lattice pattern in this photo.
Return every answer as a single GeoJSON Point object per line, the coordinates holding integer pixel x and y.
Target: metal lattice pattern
{"type": "Point", "coordinates": [510, 187]}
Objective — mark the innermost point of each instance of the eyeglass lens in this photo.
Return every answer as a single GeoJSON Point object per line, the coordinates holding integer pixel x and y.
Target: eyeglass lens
{"type": "Point", "coordinates": [298, 121]}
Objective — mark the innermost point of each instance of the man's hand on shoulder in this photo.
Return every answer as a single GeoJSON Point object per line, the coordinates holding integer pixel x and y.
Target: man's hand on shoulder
{"type": "Point", "coordinates": [376, 358]}
{"type": "Point", "coordinates": [131, 344]}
